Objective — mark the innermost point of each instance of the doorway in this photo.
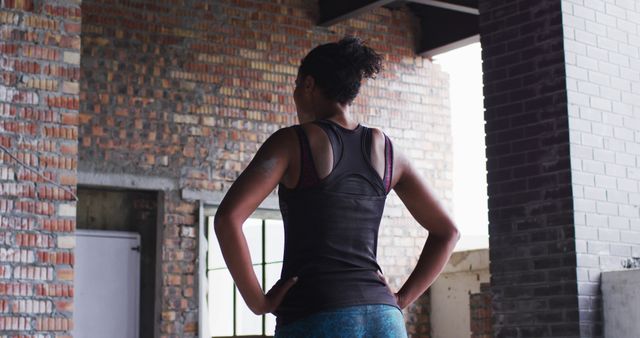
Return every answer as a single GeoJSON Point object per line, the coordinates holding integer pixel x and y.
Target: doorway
{"type": "Point", "coordinates": [105, 213]}
{"type": "Point", "coordinates": [106, 284]}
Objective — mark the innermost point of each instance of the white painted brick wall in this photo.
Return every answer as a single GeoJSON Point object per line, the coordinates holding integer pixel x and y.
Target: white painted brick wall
{"type": "Point", "coordinates": [602, 39]}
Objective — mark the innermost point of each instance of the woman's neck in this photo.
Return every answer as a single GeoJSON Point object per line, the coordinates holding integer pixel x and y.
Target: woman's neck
{"type": "Point", "coordinates": [336, 112]}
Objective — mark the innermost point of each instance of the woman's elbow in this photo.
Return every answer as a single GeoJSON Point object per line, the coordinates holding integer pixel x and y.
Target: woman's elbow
{"type": "Point", "coordinates": [221, 222]}
{"type": "Point", "coordinates": [455, 234]}
{"type": "Point", "coordinates": [449, 233]}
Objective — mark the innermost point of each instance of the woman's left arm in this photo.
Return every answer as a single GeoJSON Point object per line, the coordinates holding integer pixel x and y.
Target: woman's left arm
{"type": "Point", "coordinates": [253, 185]}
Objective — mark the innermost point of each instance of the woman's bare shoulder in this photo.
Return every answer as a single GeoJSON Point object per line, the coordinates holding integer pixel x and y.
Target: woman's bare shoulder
{"type": "Point", "coordinates": [281, 138]}
{"type": "Point", "coordinates": [400, 161]}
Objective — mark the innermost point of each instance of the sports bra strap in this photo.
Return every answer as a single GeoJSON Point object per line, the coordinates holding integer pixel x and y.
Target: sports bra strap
{"type": "Point", "coordinates": [388, 161]}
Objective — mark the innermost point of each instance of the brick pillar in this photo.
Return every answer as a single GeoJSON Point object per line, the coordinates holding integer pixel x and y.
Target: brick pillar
{"type": "Point", "coordinates": [601, 40]}
{"type": "Point", "coordinates": [39, 69]}
{"type": "Point", "coordinates": [562, 113]}
{"type": "Point", "coordinates": [531, 230]}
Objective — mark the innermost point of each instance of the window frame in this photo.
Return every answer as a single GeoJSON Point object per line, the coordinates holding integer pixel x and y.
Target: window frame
{"type": "Point", "coordinates": [268, 210]}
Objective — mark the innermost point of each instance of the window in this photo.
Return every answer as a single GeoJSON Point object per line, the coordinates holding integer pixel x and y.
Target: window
{"type": "Point", "coordinates": [229, 316]}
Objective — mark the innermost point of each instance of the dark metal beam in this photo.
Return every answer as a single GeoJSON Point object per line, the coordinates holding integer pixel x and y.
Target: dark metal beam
{"type": "Point", "coordinates": [334, 11]}
{"type": "Point", "coordinates": [442, 30]}
{"type": "Point", "coordinates": [450, 46]}
{"type": "Point", "coordinates": [448, 5]}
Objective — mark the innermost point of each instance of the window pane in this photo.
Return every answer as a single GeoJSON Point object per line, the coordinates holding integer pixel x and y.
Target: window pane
{"type": "Point", "coordinates": [247, 323]}
{"type": "Point", "coordinates": [270, 324]}
{"type": "Point", "coordinates": [222, 290]}
{"type": "Point", "coordinates": [252, 229]}
{"type": "Point", "coordinates": [274, 240]}
{"type": "Point", "coordinates": [272, 275]}
{"type": "Point", "coordinates": [214, 258]}
{"type": "Point", "coordinates": [220, 303]}
{"type": "Point", "coordinates": [273, 271]}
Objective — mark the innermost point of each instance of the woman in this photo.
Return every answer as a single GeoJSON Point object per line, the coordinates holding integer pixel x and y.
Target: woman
{"type": "Point", "coordinates": [333, 175]}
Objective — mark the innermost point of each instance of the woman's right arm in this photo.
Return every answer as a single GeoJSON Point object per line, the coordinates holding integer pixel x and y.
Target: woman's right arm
{"type": "Point", "coordinates": [254, 184]}
{"type": "Point", "coordinates": [429, 213]}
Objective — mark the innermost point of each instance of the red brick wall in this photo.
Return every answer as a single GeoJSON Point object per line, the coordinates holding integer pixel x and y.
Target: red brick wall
{"type": "Point", "coordinates": [418, 317]}
{"type": "Point", "coordinates": [480, 310]}
{"type": "Point", "coordinates": [190, 91]}
{"type": "Point", "coordinates": [39, 73]}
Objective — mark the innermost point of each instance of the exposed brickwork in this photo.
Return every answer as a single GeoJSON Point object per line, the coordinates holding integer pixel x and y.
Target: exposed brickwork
{"type": "Point", "coordinates": [591, 114]}
{"type": "Point", "coordinates": [532, 246]}
{"type": "Point", "coordinates": [601, 41]}
{"type": "Point", "coordinates": [38, 124]}
{"type": "Point", "coordinates": [189, 92]}
{"type": "Point", "coordinates": [480, 311]}
{"type": "Point", "coordinates": [418, 317]}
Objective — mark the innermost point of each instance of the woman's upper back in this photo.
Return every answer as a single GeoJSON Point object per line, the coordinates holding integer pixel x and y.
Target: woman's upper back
{"type": "Point", "coordinates": [317, 149]}
{"type": "Point", "coordinates": [331, 216]}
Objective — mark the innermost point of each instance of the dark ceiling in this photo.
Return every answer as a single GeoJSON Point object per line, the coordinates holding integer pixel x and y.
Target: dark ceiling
{"type": "Point", "coordinates": [445, 24]}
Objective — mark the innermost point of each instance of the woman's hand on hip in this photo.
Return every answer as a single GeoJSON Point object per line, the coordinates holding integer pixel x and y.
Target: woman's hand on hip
{"type": "Point", "coordinates": [399, 298]}
{"type": "Point", "coordinates": [274, 297]}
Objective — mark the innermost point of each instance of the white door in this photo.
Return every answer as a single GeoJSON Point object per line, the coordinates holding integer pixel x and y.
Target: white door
{"type": "Point", "coordinates": [106, 284]}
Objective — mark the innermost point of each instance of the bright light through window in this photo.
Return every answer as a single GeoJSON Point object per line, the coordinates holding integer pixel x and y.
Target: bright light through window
{"type": "Point", "coordinates": [229, 316]}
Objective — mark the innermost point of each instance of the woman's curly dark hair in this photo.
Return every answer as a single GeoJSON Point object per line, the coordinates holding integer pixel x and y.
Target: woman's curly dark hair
{"type": "Point", "coordinates": [339, 67]}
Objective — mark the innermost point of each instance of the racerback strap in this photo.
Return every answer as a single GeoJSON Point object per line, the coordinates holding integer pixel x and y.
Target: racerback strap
{"type": "Point", "coordinates": [308, 175]}
{"type": "Point", "coordinates": [334, 140]}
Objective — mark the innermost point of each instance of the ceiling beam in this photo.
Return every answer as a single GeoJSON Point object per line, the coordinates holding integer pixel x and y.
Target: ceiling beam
{"type": "Point", "coordinates": [450, 46]}
{"type": "Point", "coordinates": [335, 11]}
{"type": "Point", "coordinates": [439, 35]}
{"type": "Point", "coordinates": [447, 5]}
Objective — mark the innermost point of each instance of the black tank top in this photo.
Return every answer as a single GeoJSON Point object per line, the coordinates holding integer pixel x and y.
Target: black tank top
{"type": "Point", "coordinates": [331, 227]}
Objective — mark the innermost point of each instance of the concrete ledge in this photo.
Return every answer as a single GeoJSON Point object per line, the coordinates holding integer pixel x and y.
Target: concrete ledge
{"type": "Point", "coordinates": [468, 261]}
{"type": "Point", "coordinates": [126, 181]}
{"type": "Point", "coordinates": [212, 199]}
{"type": "Point", "coordinates": [207, 197]}
{"type": "Point", "coordinates": [621, 296]}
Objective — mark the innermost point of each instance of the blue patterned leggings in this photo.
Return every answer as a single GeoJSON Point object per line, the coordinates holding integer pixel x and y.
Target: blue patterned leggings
{"type": "Point", "coordinates": [360, 321]}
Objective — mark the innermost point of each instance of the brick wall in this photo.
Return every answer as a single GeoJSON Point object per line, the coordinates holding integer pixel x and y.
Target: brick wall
{"type": "Point", "coordinates": [581, 140]}
{"type": "Point", "coordinates": [601, 41]}
{"type": "Point", "coordinates": [531, 242]}
{"type": "Point", "coordinates": [418, 317]}
{"type": "Point", "coordinates": [39, 73]}
{"type": "Point", "coordinates": [189, 92]}
{"type": "Point", "coordinates": [480, 312]}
